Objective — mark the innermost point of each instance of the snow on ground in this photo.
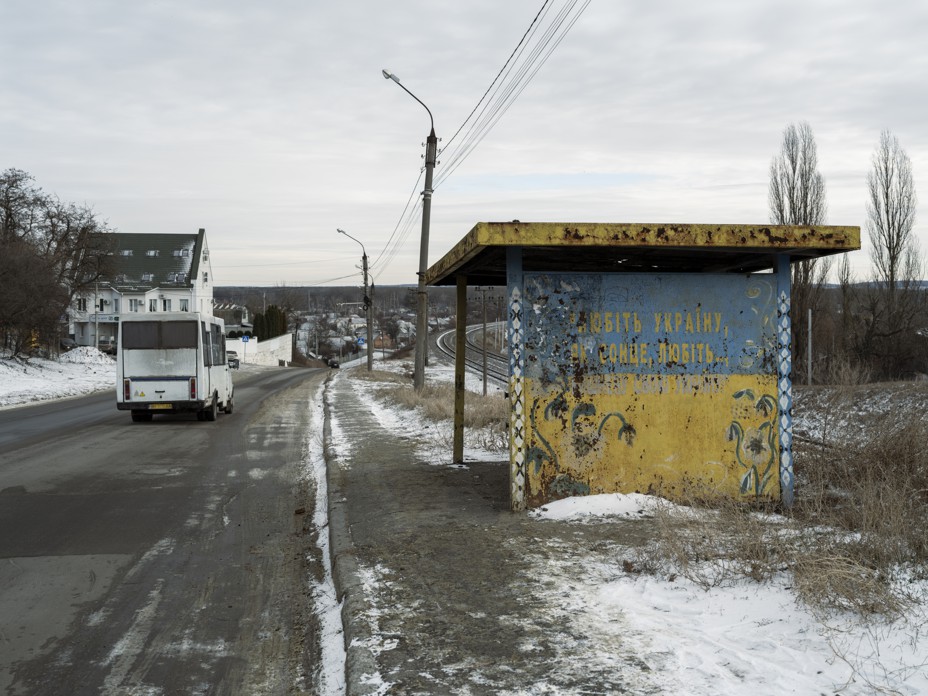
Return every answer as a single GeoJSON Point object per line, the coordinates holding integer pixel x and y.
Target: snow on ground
{"type": "Point", "coordinates": [328, 607]}
{"type": "Point", "coordinates": [746, 638]}
{"type": "Point", "coordinates": [80, 371]}
{"type": "Point", "coordinates": [432, 439]}
{"type": "Point", "coordinates": [855, 414]}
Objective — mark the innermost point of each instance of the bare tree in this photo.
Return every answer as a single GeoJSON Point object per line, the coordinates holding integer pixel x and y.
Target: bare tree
{"type": "Point", "coordinates": [64, 243]}
{"type": "Point", "coordinates": [31, 299]}
{"type": "Point", "coordinates": [19, 201]}
{"type": "Point", "coordinates": [891, 215]}
{"type": "Point", "coordinates": [797, 197]}
{"type": "Point", "coordinates": [896, 297]}
{"type": "Point", "coordinates": [846, 287]}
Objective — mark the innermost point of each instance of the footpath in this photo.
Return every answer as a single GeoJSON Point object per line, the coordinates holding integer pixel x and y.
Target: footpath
{"type": "Point", "coordinates": [445, 591]}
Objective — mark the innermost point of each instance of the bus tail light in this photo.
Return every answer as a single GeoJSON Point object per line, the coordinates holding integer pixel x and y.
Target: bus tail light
{"type": "Point", "coordinates": [193, 388]}
{"type": "Point", "coordinates": [126, 390]}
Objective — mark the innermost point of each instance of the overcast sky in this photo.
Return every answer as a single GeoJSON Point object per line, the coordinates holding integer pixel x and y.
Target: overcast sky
{"type": "Point", "coordinates": [271, 125]}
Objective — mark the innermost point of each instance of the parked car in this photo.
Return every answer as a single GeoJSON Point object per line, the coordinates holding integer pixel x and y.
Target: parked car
{"type": "Point", "coordinates": [107, 345]}
{"type": "Point", "coordinates": [232, 356]}
{"type": "Point", "coordinates": [333, 362]}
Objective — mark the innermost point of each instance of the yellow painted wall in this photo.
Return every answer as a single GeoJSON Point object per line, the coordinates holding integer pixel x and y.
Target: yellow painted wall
{"type": "Point", "coordinates": [666, 434]}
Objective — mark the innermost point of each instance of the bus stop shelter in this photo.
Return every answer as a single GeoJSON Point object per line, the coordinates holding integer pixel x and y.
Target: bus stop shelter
{"type": "Point", "coordinates": [649, 358]}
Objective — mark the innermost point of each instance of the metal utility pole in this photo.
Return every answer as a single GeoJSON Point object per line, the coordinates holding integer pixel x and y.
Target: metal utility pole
{"type": "Point", "coordinates": [484, 293]}
{"type": "Point", "coordinates": [368, 303]}
{"type": "Point", "coordinates": [422, 299]}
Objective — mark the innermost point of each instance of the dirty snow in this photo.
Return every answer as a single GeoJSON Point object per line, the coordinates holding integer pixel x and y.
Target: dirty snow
{"type": "Point", "coordinates": [328, 606]}
{"type": "Point", "coordinates": [747, 638]}
{"type": "Point", "coordinates": [744, 638]}
{"type": "Point", "coordinates": [81, 371]}
{"type": "Point", "coordinates": [856, 414]}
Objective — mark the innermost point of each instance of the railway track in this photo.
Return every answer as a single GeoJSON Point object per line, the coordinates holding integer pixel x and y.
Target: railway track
{"type": "Point", "coordinates": [497, 365]}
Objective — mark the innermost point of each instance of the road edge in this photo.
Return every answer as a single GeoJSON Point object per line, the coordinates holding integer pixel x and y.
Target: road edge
{"type": "Point", "coordinates": [360, 665]}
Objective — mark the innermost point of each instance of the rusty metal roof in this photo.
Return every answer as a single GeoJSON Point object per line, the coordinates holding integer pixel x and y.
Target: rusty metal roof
{"type": "Point", "coordinates": [633, 247]}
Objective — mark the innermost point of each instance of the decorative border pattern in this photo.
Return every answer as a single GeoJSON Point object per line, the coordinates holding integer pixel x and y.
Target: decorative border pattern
{"type": "Point", "coordinates": [517, 475]}
{"type": "Point", "coordinates": [785, 385]}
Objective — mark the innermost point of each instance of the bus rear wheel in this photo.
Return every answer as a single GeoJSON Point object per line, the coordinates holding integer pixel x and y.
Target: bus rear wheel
{"type": "Point", "coordinates": [213, 412]}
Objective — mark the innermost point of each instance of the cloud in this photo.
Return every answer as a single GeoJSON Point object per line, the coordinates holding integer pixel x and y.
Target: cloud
{"type": "Point", "coordinates": [271, 125]}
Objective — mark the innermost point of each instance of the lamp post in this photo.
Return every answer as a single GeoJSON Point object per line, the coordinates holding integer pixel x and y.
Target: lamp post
{"type": "Point", "coordinates": [422, 299]}
{"type": "Point", "coordinates": [368, 304]}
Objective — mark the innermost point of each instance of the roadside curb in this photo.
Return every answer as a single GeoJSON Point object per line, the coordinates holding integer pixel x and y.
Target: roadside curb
{"type": "Point", "coordinates": [360, 665]}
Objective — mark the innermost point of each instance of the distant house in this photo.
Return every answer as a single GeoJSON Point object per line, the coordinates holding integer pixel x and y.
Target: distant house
{"type": "Point", "coordinates": [153, 273]}
{"type": "Point", "coordinates": [235, 316]}
{"type": "Point", "coordinates": [357, 325]}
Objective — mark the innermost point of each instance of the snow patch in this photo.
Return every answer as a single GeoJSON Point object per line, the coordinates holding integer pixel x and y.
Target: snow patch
{"type": "Point", "coordinates": [328, 607]}
{"type": "Point", "coordinates": [77, 373]}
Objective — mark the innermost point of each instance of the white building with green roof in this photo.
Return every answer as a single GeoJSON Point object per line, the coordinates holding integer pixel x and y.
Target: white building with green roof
{"type": "Point", "coordinates": [152, 273]}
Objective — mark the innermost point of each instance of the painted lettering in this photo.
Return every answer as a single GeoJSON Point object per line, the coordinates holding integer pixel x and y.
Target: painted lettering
{"type": "Point", "coordinates": [605, 322]}
{"type": "Point", "coordinates": [578, 353]}
{"type": "Point", "coordinates": [653, 384]}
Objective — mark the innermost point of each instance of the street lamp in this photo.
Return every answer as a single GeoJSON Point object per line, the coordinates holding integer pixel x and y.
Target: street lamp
{"type": "Point", "coordinates": [422, 300]}
{"type": "Point", "coordinates": [368, 304]}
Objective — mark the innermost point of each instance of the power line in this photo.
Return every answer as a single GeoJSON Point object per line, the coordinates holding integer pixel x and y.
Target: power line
{"type": "Point", "coordinates": [515, 75]}
{"type": "Point", "coordinates": [396, 228]}
{"type": "Point", "coordinates": [505, 94]}
{"type": "Point", "coordinates": [286, 263]}
{"type": "Point", "coordinates": [299, 283]}
{"type": "Point", "coordinates": [451, 140]}
{"type": "Point", "coordinates": [404, 234]}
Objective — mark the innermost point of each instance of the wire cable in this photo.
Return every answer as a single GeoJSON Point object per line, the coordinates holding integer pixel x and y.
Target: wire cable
{"type": "Point", "coordinates": [507, 93]}
{"type": "Point", "coordinates": [407, 228]}
{"type": "Point", "coordinates": [412, 196]}
{"type": "Point", "coordinates": [527, 58]}
{"type": "Point", "coordinates": [495, 79]}
{"type": "Point", "coordinates": [489, 104]}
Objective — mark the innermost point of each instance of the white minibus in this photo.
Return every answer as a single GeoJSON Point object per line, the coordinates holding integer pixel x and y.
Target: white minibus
{"type": "Point", "coordinates": [172, 362]}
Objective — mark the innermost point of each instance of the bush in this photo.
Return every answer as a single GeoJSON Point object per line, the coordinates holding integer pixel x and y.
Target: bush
{"type": "Point", "coordinates": [877, 489]}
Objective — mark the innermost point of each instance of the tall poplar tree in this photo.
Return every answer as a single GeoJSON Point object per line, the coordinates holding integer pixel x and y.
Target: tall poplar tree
{"type": "Point", "coordinates": [796, 196]}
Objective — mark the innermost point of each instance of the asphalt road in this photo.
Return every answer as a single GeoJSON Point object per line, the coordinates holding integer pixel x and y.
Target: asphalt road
{"type": "Point", "coordinates": [170, 557]}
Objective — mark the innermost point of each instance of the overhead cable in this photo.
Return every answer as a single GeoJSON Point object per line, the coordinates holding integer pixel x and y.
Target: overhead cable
{"type": "Point", "coordinates": [517, 78]}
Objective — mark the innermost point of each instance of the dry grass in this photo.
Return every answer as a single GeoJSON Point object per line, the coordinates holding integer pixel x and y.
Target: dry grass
{"type": "Point", "coordinates": [859, 520]}
{"type": "Point", "coordinates": [486, 417]}
{"type": "Point", "coordinates": [845, 370]}
{"type": "Point", "coordinates": [877, 489]}
{"type": "Point", "coordinates": [859, 524]}
{"type": "Point", "coordinates": [830, 569]}
{"type": "Point", "coordinates": [840, 581]}
{"type": "Point", "coordinates": [715, 542]}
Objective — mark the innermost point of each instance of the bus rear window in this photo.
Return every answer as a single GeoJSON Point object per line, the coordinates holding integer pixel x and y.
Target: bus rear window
{"type": "Point", "coordinates": [155, 335]}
